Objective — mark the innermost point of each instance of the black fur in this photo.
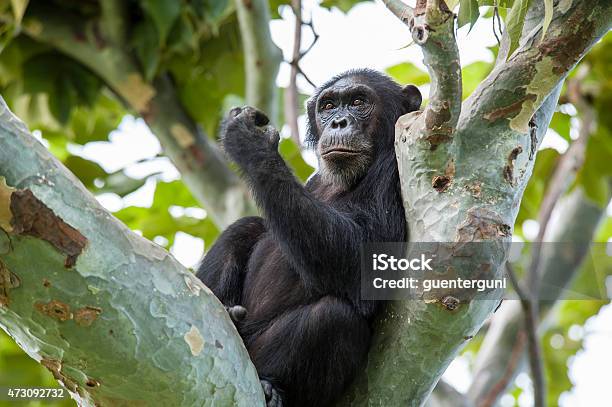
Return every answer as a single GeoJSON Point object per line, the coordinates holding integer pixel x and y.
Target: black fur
{"type": "Point", "coordinates": [297, 269]}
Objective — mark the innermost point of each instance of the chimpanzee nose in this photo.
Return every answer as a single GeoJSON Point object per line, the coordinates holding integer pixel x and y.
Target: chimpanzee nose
{"type": "Point", "coordinates": [339, 123]}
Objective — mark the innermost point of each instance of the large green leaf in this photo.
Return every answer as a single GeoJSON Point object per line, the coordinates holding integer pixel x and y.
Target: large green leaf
{"type": "Point", "coordinates": [548, 15]}
{"type": "Point", "coordinates": [87, 171]}
{"type": "Point", "coordinates": [561, 124]}
{"type": "Point", "coordinates": [344, 5]}
{"type": "Point", "coordinates": [163, 13]}
{"type": "Point", "coordinates": [468, 13]}
{"type": "Point", "coordinates": [19, 8]}
{"type": "Point", "coordinates": [515, 22]}
{"type": "Point", "coordinates": [407, 73]}
{"type": "Point", "coordinates": [595, 174]}
{"type": "Point", "coordinates": [473, 74]}
{"type": "Point", "coordinates": [292, 156]}
{"type": "Point", "coordinates": [545, 163]}
{"type": "Point", "coordinates": [121, 184]}
{"type": "Point", "coordinates": [146, 44]}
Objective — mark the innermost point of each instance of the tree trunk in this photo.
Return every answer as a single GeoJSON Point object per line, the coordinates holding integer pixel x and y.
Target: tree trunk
{"type": "Point", "coordinates": [463, 169]}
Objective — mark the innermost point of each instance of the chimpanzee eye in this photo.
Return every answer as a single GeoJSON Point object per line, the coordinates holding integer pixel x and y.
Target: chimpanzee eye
{"type": "Point", "coordinates": [357, 102]}
{"type": "Point", "coordinates": [328, 106]}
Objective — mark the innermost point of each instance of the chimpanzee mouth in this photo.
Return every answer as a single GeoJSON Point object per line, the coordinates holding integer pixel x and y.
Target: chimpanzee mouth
{"type": "Point", "coordinates": [339, 151]}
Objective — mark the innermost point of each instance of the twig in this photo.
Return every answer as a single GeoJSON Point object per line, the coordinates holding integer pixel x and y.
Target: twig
{"type": "Point", "coordinates": [497, 18]}
{"type": "Point", "coordinates": [315, 38]}
{"type": "Point", "coordinates": [528, 303]}
{"type": "Point", "coordinates": [291, 96]}
{"type": "Point", "coordinates": [311, 83]}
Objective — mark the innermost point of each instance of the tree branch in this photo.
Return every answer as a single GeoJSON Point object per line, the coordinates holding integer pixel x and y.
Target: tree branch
{"type": "Point", "coordinates": [515, 90]}
{"type": "Point", "coordinates": [262, 56]}
{"type": "Point", "coordinates": [499, 357]}
{"type": "Point", "coordinates": [114, 317]}
{"type": "Point", "coordinates": [432, 26]}
{"type": "Point", "coordinates": [530, 313]}
{"type": "Point", "coordinates": [203, 168]}
{"type": "Point", "coordinates": [291, 101]}
{"type": "Point", "coordinates": [540, 264]}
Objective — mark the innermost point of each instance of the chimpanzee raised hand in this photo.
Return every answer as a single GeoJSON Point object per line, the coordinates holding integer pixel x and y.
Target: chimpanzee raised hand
{"type": "Point", "coordinates": [297, 269]}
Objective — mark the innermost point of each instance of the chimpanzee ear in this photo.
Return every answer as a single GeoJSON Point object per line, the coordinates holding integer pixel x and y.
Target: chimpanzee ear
{"type": "Point", "coordinates": [412, 98]}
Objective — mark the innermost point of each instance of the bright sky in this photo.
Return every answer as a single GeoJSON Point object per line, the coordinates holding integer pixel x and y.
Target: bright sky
{"type": "Point", "coordinates": [369, 36]}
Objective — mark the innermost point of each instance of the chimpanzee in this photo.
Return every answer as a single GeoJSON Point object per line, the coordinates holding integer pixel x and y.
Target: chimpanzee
{"type": "Point", "coordinates": [291, 279]}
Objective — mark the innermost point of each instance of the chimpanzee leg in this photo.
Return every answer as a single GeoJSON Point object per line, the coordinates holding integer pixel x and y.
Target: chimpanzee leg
{"type": "Point", "coordinates": [310, 354]}
{"type": "Point", "coordinates": [224, 266]}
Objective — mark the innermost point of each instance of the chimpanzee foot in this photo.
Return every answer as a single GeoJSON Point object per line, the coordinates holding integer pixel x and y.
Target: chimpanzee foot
{"type": "Point", "coordinates": [273, 397]}
{"type": "Point", "coordinates": [236, 312]}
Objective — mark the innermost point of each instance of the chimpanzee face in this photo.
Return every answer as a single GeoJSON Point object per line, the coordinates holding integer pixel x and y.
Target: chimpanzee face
{"type": "Point", "coordinates": [345, 118]}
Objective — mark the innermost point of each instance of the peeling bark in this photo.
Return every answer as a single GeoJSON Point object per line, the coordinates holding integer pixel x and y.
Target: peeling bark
{"type": "Point", "coordinates": [31, 217]}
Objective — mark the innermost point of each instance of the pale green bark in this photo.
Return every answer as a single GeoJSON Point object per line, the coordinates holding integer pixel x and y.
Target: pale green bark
{"type": "Point", "coordinates": [113, 316]}
{"type": "Point", "coordinates": [466, 186]}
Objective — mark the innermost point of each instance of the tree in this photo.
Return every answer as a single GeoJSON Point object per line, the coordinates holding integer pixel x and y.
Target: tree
{"type": "Point", "coordinates": [64, 262]}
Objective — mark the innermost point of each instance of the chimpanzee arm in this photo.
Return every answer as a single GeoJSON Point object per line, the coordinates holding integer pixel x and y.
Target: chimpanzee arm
{"type": "Point", "coordinates": [320, 240]}
{"type": "Point", "coordinates": [224, 266]}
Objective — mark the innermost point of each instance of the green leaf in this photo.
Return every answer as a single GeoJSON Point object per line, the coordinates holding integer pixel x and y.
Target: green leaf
{"type": "Point", "coordinates": [292, 156]}
{"type": "Point", "coordinates": [275, 6]}
{"type": "Point", "coordinates": [468, 13]}
{"type": "Point", "coordinates": [545, 163]}
{"type": "Point", "coordinates": [344, 5]}
{"type": "Point", "coordinates": [87, 171]}
{"type": "Point", "coordinates": [595, 174]}
{"type": "Point", "coordinates": [561, 124]}
{"type": "Point", "coordinates": [212, 10]}
{"type": "Point", "coordinates": [121, 184]}
{"type": "Point", "coordinates": [146, 44]}
{"type": "Point", "coordinates": [64, 84]}
{"type": "Point", "coordinates": [62, 100]}
{"type": "Point", "coordinates": [19, 8]}
{"type": "Point", "coordinates": [515, 22]}
{"type": "Point", "coordinates": [163, 13]}
{"type": "Point", "coordinates": [548, 15]}
{"type": "Point", "coordinates": [407, 73]}
{"type": "Point", "coordinates": [473, 74]}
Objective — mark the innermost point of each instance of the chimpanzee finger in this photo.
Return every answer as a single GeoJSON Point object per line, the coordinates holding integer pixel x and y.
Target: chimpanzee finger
{"type": "Point", "coordinates": [235, 112]}
{"type": "Point", "coordinates": [272, 134]}
{"type": "Point", "coordinates": [261, 119]}
{"type": "Point", "coordinates": [254, 116]}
